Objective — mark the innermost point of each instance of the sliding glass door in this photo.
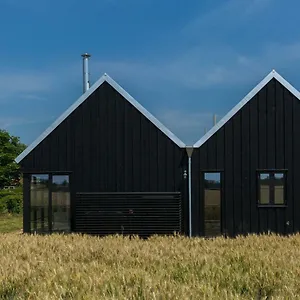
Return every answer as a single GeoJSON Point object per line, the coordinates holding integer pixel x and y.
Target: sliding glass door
{"type": "Point", "coordinates": [39, 203]}
{"type": "Point", "coordinates": [50, 203]}
{"type": "Point", "coordinates": [61, 203]}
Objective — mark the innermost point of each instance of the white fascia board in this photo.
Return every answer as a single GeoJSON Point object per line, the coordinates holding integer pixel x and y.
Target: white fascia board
{"type": "Point", "coordinates": [85, 96]}
{"type": "Point", "coordinates": [245, 100]}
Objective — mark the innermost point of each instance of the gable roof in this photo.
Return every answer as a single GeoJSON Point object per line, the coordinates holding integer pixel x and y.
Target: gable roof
{"type": "Point", "coordinates": [235, 109]}
{"type": "Point", "coordinates": [90, 91]}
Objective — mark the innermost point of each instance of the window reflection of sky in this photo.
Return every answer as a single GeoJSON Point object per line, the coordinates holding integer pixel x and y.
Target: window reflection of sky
{"type": "Point", "coordinates": [212, 176]}
{"type": "Point", "coordinates": [39, 177]}
{"type": "Point", "coordinates": [60, 179]}
{"type": "Point", "coordinates": [264, 176]}
{"type": "Point", "coordinates": [56, 179]}
{"type": "Point", "coordinates": [278, 175]}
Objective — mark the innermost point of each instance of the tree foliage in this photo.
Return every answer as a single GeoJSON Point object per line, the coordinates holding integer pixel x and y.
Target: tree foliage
{"type": "Point", "coordinates": [10, 148]}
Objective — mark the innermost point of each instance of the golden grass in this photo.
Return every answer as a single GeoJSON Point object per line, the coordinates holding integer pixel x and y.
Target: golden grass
{"type": "Point", "coordinates": [10, 223]}
{"type": "Point", "coordinates": [83, 267]}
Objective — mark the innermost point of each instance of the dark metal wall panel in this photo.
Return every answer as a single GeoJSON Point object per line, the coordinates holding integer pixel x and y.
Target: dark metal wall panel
{"type": "Point", "coordinates": [296, 165]}
{"type": "Point", "coordinates": [142, 214]}
{"type": "Point", "coordinates": [197, 201]}
{"type": "Point", "coordinates": [228, 197]}
{"type": "Point", "coordinates": [253, 163]}
{"type": "Point", "coordinates": [26, 203]}
{"type": "Point", "coordinates": [237, 174]}
{"type": "Point", "coordinates": [245, 169]}
{"type": "Point", "coordinates": [264, 134]}
{"type": "Point", "coordinates": [271, 143]}
{"type": "Point", "coordinates": [289, 138]}
{"type": "Point", "coordinates": [262, 150]}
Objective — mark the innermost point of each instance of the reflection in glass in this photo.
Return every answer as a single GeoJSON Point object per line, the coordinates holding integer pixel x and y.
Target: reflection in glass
{"type": "Point", "coordinates": [212, 204]}
{"type": "Point", "coordinates": [60, 203]}
{"type": "Point", "coordinates": [279, 188]}
{"type": "Point", "coordinates": [39, 203]}
{"type": "Point", "coordinates": [264, 188]}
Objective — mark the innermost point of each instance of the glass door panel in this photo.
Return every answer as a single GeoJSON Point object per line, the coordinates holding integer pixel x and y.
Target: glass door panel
{"type": "Point", "coordinates": [212, 204]}
{"type": "Point", "coordinates": [61, 203]}
{"type": "Point", "coordinates": [39, 203]}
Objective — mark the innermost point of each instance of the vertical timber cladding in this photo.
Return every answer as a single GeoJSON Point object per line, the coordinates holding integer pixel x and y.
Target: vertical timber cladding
{"type": "Point", "coordinates": [262, 135]}
{"type": "Point", "coordinates": [142, 214]}
{"type": "Point", "coordinates": [109, 146]}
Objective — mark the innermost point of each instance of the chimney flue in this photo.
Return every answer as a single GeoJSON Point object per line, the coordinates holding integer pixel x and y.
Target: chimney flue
{"type": "Point", "coordinates": [86, 80]}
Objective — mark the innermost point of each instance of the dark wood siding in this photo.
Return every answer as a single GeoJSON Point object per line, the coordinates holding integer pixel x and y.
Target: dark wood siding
{"type": "Point", "coordinates": [109, 146]}
{"type": "Point", "coordinates": [264, 134]}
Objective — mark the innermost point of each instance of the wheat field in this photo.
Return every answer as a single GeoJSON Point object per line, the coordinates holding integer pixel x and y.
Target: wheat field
{"type": "Point", "coordinates": [85, 267]}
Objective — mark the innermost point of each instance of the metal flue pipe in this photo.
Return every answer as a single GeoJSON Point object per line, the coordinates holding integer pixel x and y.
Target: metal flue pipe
{"type": "Point", "coordinates": [86, 80]}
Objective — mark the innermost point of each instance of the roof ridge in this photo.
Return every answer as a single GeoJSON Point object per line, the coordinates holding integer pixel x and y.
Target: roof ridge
{"type": "Point", "coordinates": [246, 99]}
{"type": "Point", "coordinates": [104, 78]}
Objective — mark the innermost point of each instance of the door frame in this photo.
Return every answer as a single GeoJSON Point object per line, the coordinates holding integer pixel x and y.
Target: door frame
{"type": "Point", "coordinates": [26, 191]}
{"type": "Point", "coordinates": [202, 200]}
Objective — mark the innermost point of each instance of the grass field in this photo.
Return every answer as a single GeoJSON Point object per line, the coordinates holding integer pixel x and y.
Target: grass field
{"type": "Point", "coordinates": [10, 223]}
{"type": "Point", "coordinates": [82, 267]}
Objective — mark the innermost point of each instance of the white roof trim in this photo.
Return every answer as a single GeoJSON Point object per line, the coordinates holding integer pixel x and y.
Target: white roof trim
{"type": "Point", "coordinates": [230, 114]}
{"type": "Point", "coordinates": [82, 98]}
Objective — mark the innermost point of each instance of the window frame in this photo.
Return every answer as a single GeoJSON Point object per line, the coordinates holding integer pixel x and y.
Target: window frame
{"type": "Point", "coordinates": [50, 179]}
{"type": "Point", "coordinates": [202, 187]}
{"type": "Point", "coordinates": [271, 203]}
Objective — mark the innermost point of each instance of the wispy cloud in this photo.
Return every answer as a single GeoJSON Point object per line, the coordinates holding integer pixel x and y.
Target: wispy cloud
{"type": "Point", "coordinates": [7, 122]}
{"type": "Point", "coordinates": [256, 6]}
{"type": "Point", "coordinates": [24, 83]}
{"type": "Point", "coordinates": [227, 15]}
{"type": "Point", "coordinates": [32, 97]}
{"type": "Point", "coordinates": [199, 68]}
{"type": "Point", "coordinates": [187, 125]}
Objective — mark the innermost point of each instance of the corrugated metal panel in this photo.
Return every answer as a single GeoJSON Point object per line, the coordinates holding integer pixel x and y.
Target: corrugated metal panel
{"type": "Point", "coordinates": [142, 214]}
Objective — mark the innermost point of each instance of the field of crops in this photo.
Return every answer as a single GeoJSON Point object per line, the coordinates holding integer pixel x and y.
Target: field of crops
{"type": "Point", "coordinates": [82, 267]}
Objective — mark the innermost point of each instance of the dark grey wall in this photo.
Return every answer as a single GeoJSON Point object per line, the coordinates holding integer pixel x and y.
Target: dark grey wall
{"type": "Point", "coordinates": [264, 134]}
{"type": "Point", "coordinates": [109, 146]}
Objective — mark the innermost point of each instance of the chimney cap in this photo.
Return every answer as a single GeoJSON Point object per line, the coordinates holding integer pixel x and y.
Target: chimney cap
{"type": "Point", "coordinates": [85, 55]}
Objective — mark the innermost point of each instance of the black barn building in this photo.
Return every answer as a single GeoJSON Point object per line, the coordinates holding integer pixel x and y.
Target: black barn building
{"type": "Point", "coordinates": [245, 169]}
{"type": "Point", "coordinates": [105, 166]}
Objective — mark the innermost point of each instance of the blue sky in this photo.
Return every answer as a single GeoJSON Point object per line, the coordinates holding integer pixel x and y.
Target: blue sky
{"type": "Point", "coordinates": [183, 62]}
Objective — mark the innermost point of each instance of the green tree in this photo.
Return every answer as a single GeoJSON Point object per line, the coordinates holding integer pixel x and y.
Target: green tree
{"type": "Point", "coordinates": [10, 148]}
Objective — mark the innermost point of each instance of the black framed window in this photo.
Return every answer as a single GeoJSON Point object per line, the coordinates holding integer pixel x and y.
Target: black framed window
{"type": "Point", "coordinates": [272, 188]}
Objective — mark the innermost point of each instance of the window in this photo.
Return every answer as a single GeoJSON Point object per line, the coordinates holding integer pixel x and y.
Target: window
{"type": "Point", "coordinates": [271, 188]}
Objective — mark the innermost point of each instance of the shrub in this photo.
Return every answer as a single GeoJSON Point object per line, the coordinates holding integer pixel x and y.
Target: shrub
{"type": "Point", "coordinates": [11, 202]}
{"type": "Point", "coordinates": [14, 203]}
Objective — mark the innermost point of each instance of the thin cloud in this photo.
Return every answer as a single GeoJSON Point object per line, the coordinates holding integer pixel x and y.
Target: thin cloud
{"type": "Point", "coordinates": [228, 14]}
{"type": "Point", "coordinates": [7, 122]}
{"type": "Point", "coordinates": [34, 85]}
{"type": "Point", "coordinates": [25, 83]}
{"type": "Point", "coordinates": [200, 69]}
{"type": "Point", "coordinates": [187, 125]}
{"type": "Point", "coordinates": [256, 6]}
